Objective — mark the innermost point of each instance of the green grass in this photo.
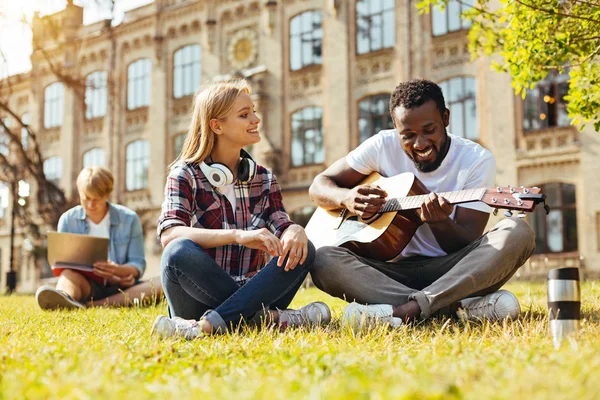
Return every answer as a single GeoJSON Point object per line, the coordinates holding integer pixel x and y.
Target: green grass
{"type": "Point", "coordinates": [107, 353]}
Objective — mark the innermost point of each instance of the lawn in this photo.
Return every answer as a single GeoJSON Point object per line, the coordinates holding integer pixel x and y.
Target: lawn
{"type": "Point", "coordinates": [104, 353]}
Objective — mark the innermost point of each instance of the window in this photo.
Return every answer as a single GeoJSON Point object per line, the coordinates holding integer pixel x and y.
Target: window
{"type": "Point", "coordinates": [461, 96]}
{"type": "Point", "coordinates": [53, 105]}
{"type": "Point", "coordinates": [26, 119]}
{"type": "Point", "coordinates": [138, 160]}
{"type": "Point", "coordinates": [375, 25]}
{"type": "Point", "coordinates": [4, 195]}
{"type": "Point", "coordinates": [23, 192]}
{"type": "Point", "coordinates": [4, 139]}
{"type": "Point", "coordinates": [306, 36]}
{"type": "Point", "coordinates": [373, 116]}
{"type": "Point", "coordinates": [450, 19]}
{"type": "Point", "coordinates": [95, 95]}
{"type": "Point", "coordinates": [53, 169]}
{"type": "Point", "coordinates": [557, 231]}
{"type": "Point", "coordinates": [186, 71]}
{"type": "Point", "coordinates": [307, 137]}
{"type": "Point", "coordinates": [178, 145]}
{"type": "Point", "coordinates": [23, 189]}
{"type": "Point", "coordinates": [93, 158]}
{"type": "Point", "coordinates": [545, 105]}
{"type": "Point", "coordinates": [138, 83]}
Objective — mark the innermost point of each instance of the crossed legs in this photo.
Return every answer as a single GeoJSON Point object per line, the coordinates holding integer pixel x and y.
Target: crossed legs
{"type": "Point", "coordinates": [421, 286]}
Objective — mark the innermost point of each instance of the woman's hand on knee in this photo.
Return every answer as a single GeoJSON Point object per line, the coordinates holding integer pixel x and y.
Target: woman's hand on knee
{"type": "Point", "coordinates": [261, 239]}
{"type": "Point", "coordinates": [295, 247]}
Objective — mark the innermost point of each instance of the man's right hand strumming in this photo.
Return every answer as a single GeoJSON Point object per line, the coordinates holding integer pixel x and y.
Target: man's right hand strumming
{"type": "Point", "coordinates": [365, 200]}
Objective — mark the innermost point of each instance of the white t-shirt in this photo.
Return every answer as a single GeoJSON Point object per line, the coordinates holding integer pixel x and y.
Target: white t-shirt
{"type": "Point", "coordinates": [101, 229]}
{"type": "Point", "coordinates": [229, 192]}
{"type": "Point", "coordinates": [467, 165]}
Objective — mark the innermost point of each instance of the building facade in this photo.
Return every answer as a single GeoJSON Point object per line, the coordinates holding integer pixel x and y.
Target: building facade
{"type": "Point", "coordinates": [321, 72]}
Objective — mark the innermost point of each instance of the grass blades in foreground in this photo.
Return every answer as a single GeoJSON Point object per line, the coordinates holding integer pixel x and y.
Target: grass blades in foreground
{"type": "Point", "coordinates": [107, 353]}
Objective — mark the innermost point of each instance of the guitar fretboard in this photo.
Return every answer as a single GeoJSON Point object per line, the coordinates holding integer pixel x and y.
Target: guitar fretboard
{"type": "Point", "coordinates": [414, 202]}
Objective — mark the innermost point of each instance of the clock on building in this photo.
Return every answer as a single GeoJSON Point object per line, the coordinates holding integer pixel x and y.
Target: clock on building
{"type": "Point", "coordinates": [242, 49]}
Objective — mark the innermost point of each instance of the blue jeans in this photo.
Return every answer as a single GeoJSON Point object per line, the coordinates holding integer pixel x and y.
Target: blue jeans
{"type": "Point", "coordinates": [195, 286]}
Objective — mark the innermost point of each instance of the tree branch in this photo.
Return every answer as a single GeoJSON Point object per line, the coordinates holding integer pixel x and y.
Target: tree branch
{"type": "Point", "coordinates": [552, 12]}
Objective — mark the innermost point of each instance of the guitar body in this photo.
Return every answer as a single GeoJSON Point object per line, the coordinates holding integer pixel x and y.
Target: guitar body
{"type": "Point", "coordinates": [381, 238]}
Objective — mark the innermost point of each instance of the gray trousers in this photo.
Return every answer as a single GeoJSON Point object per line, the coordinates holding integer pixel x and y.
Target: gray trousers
{"type": "Point", "coordinates": [480, 268]}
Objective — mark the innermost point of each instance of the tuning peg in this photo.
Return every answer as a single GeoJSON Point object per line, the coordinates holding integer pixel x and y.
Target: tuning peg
{"type": "Point", "coordinates": [495, 212]}
{"type": "Point", "coordinates": [521, 214]}
{"type": "Point", "coordinates": [508, 213]}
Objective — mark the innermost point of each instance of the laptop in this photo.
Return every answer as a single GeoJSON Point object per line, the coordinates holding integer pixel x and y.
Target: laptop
{"type": "Point", "coordinates": [75, 251]}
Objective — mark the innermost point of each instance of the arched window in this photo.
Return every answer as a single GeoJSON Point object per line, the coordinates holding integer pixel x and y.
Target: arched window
{"type": "Point", "coordinates": [53, 105]}
{"type": "Point", "coordinates": [138, 160]}
{"type": "Point", "coordinates": [545, 105]}
{"type": "Point", "coordinates": [186, 70]}
{"type": "Point", "coordinates": [138, 83]}
{"type": "Point", "coordinates": [26, 119]}
{"type": "Point", "coordinates": [307, 137]}
{"type": "Point", "coordinates": [450, 19]}
{"type": "Point", "coordinates": [373, 116]}
{"type": "Point", "coordinates": [557, 231]}
{"type": "Point", "coordinates": [461, 100]}
{"type": "Point", "coordinates": [306, 34]}
{"type": "Point", "coordinates": [93, 158]}
{"type": "Point", "coordinates": [95, 95]}
{"type": "Point", "coordinates": [53, 169]}
{"type": "Point", "coordinates": [375, 25]}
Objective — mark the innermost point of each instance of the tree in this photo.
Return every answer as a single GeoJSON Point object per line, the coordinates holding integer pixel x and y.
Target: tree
{"type": "Point", "coordinates": [535, 37]}
{"type": "Point", "coordinates": [24, 160]}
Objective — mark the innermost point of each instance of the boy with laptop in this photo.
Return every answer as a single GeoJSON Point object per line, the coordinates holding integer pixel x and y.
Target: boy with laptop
{"type": "Point", "coordinates": [114, 281]}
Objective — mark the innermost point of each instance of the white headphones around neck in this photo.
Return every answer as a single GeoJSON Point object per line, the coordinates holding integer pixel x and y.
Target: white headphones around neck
{"type": "Point", "coordinates": [219, 174]}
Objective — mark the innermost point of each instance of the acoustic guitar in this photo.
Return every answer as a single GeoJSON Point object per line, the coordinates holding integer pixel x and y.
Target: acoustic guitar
{"type": "Point", "coordinates": [384, 235]}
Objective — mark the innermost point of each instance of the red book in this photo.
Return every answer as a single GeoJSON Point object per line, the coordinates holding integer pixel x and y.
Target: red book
{"type": "Point", "coordinates": [82, 269]}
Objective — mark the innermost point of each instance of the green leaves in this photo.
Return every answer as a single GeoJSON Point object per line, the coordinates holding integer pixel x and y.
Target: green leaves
{"type": "Point", "coordinates": [534, 37]}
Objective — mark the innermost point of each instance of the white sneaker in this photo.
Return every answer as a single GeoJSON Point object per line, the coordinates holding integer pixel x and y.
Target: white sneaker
{"type": "Point", "coordinates": [316, 313]}
{"type": "Point", "coordinates": [165, 327]}
{"type": "Point", "coordinates": [359, 316]}
{"type": "Point", "coordinates": [494, 306]}
{"type": "Point", "coordinates": [49, 298]}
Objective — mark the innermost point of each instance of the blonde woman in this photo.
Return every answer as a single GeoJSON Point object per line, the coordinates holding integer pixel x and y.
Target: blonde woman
{"type": "Point", "coordinates": [221, 215]}
{"type": "Point", "coordinates": [115, 282]}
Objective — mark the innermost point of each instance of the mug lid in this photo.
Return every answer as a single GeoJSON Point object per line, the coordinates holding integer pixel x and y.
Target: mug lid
{"type": "Point", "coordinates": [570, 273]}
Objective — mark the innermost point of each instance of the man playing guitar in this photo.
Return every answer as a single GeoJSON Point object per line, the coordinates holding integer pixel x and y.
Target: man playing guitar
{"type": "Point", "coordinates": [448, 267]}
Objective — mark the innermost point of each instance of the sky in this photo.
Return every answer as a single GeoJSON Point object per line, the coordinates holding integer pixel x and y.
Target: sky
{"type": "Point", "coordinates": [15, 36]}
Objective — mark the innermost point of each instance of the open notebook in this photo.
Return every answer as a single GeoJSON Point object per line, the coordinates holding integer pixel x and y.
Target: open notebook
{"type": "Point", "coordinates": [78, 252]}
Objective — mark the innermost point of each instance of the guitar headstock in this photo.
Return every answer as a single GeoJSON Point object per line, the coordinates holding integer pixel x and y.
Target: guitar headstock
{"type": "Point", "coordinates": [512, 198]}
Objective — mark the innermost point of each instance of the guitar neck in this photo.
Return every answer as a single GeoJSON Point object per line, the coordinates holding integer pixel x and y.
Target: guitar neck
{"type": "Point", "coordinates": [415, 202]}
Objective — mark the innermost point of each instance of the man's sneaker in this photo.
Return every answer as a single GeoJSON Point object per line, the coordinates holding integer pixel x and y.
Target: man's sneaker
{"type": "Point", "coordinates": [495, 306]}
{"type": "Point", "coordinates": [316, 313]}
{"type": "Point", "coordinates": [359, 316]}
{"type": "Point", "coordinates": [165, 327]}
{"type": "Point", "coordinates": [52, 299]}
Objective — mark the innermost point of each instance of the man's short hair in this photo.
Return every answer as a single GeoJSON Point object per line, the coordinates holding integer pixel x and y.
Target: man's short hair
{"type": "Point", "coordinates": [95, 182]}
{"type": "Point", "coordinates": [415, 93]}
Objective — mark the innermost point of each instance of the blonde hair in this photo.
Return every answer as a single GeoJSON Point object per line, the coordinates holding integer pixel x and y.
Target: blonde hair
{"type": "Point", "coordinates": [95, 181]}
{"type": "Point", "coordinates": [213, 101]}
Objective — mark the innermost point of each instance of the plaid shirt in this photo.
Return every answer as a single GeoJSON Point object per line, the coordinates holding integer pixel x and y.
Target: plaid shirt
{"type": "Point", "coordinates": [190, 200]}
